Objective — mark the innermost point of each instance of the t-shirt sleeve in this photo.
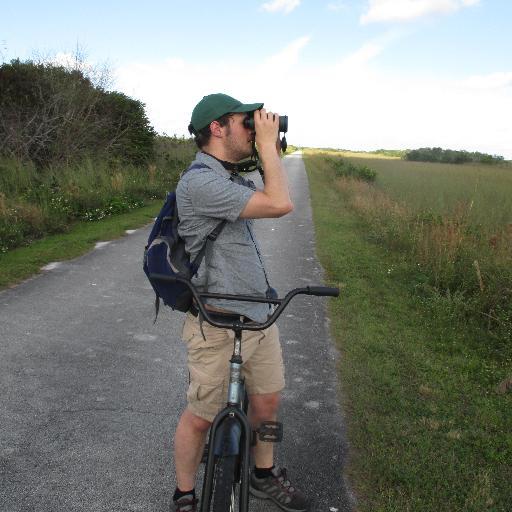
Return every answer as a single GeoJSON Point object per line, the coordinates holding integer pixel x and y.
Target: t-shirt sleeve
{"type": "Point", "coordinates": [216, 196]}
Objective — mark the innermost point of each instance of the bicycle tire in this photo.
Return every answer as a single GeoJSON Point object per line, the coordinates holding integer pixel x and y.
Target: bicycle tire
{"type": "Point", "coordinates": [225, 487]}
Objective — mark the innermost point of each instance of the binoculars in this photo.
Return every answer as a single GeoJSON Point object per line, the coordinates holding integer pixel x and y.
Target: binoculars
{"type": "Point", "coordinates": [283, 122]}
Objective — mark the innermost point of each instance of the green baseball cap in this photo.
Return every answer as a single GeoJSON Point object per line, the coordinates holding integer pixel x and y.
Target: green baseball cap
{"type": "Point", "coordinates": [213, 106]}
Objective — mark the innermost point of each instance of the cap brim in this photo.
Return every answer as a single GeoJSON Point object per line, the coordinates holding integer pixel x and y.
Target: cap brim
{"type": "Point", "coordinates": [248, 107]}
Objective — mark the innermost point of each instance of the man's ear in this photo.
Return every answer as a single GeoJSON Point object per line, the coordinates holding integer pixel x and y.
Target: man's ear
{"type": "Point", "coordinates": [216, 129]}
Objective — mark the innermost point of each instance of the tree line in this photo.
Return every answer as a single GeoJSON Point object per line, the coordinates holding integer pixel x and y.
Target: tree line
{"type": "Point", "coordinates": [51, 115]}
{"type": "Point", "coordinates": [450, 156]}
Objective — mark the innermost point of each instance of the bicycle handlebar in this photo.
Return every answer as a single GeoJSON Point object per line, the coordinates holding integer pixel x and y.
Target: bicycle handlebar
{"type": "Point", "coordinates": [320, 291]}
{"type": "Point", "coordinates": [323, 291]}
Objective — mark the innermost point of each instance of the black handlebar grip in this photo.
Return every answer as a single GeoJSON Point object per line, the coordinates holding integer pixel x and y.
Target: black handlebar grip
{"type": "Point", "coordinates": [323, 291]}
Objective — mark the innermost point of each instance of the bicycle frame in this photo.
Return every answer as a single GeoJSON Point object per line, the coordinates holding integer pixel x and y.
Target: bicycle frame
{"type": "Point", "coordinates": [233, 419]}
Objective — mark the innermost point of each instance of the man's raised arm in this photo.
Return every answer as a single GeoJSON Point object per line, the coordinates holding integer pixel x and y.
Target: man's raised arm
{"type": "Point", "coordinates": [274, 200]}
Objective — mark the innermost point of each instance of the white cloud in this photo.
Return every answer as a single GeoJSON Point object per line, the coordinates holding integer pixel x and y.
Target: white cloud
{"type": "Point", "coordinates": [346, 104]}
{"type": "Point", "coordinates": [363, 55]}
{"type": "Point", "coordinates": [336, 6]}
{"type": "Point", "coordinates": [369, 110]}
{"type": "Point", "coordinates": [289, 56]}
{"type": "Point", "coordinates": [287, 6]}
{"type": "Point", "coordinates": [370, 50]}
{"type": "Point", "coordinates": [407, 10]}
{"type": "Point", "coordinates": [497, 80]}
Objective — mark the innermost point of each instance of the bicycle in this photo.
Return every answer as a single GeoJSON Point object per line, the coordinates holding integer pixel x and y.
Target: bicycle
{"type": "Point", "coordinates": [227, 454]}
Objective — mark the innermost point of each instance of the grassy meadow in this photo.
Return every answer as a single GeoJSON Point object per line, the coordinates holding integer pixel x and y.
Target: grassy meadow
{"type": "Point", "coordinates": [483, 191]}
{"type": "Point", "coordinates": [424, 327]}
{"type": "Point", "coordinates": [452, 226]}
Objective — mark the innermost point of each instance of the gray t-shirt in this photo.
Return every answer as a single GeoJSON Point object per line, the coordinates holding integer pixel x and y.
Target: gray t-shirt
{"type": "Point", "coordinates": [205, 196]}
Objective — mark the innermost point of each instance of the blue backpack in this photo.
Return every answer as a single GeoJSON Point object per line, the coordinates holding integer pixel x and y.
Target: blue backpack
{"type": "Point", "coordinates": [165, 254]}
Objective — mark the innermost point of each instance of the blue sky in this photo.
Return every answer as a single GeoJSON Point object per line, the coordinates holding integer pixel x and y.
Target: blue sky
{"type": "Point", "coordinates": [350, 73]}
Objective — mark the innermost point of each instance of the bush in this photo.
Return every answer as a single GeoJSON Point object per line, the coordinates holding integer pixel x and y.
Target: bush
{"type": "Point", "coordinates": [35, 202]}
{"type": "Point", "coordinates": [52, 115]}
{"type": "Point", "coordinates": [350, 170]}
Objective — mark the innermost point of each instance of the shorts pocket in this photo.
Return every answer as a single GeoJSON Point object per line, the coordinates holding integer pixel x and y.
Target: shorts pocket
{"type": "Point", "coordinates": [210, 393]}
{"type": "Point", "coordinates": [206, 399]}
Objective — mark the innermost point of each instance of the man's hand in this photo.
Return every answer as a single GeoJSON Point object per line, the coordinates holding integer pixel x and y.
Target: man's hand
{"type": "Point", "coordinates": [274, 200]}
{"type": "Point", "coordinates": [266, 125]}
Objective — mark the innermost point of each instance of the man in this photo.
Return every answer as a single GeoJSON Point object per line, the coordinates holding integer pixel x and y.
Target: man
{"type": "Point", "coordinates": [205, 196]}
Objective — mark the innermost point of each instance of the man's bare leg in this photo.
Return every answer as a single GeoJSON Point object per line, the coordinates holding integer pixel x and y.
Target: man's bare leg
{"type": "Point", "coordinates": [275, 484]}
{"type": "Point", "coordinates": [263, 408]}
{"type": "Point", "coordinates": [191, 435]}
{"type": "Point", "coordinates": [188, 448]}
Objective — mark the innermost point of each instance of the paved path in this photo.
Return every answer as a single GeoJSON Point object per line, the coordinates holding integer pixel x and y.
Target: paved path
{"type": "Point", "coordinates": [90, 389]}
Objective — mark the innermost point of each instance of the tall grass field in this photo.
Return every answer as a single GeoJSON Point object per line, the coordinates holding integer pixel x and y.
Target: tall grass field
{"type": "Point", "coordinates": [422, 254]}
{"type": "Point", "coordinates": [483, 191]}
{"type": "Point", "coordinates": [451, 223]}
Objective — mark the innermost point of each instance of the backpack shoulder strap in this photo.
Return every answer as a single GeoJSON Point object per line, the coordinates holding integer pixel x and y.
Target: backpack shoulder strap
{"type": "Point", "coordinates": [216, 231]}
{"type": "Point", "coordinates": [209, 240]}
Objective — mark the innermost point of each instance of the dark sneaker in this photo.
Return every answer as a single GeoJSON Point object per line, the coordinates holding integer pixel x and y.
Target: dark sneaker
{"type": "Point", "coordinates": [185, 504]}
{"type": "Point", "coordinates": [279, 489]}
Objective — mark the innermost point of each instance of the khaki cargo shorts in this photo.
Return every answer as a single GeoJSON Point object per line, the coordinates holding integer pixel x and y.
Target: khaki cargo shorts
{"type": "Point", "coordinates": [208, 364]}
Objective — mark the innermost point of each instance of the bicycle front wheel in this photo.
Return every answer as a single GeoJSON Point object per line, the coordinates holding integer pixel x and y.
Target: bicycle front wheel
{"type": "Point", "coordinates": [226, 488]}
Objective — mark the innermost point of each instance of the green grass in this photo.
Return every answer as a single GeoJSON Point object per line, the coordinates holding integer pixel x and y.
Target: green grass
{"type": "Point", "coordinates": [427, 430]}
{"type": "Point", "coordinates": [485, 190]}
{"type": "Point", "coordinates": [459, 264]}
{"type": "Point", "coordinates": [21, 263]}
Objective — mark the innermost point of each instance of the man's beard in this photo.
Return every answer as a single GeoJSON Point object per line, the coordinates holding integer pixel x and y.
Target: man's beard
{"type": "Point", "coordinates": [235, 150]}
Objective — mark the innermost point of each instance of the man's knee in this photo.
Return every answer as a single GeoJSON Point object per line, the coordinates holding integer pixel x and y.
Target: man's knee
{"type": "Point", "coordinates": [194, 422]}
{"type": "Point", "coordinates": [265, 406]}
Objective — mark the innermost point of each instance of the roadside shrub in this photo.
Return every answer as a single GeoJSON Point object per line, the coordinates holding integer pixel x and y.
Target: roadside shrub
{"type": "Point", "coordinates": [35, 202]}
{"type": "Point", "coordinates": [350, 170]}
{"type": "Point", "coordinates": [20, 223]}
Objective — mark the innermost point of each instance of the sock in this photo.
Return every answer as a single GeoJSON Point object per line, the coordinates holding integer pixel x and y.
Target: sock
{"type": "Point", "coordinates": [263, 472]}
{"type": "Point", "coordinates": [179, 494]}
